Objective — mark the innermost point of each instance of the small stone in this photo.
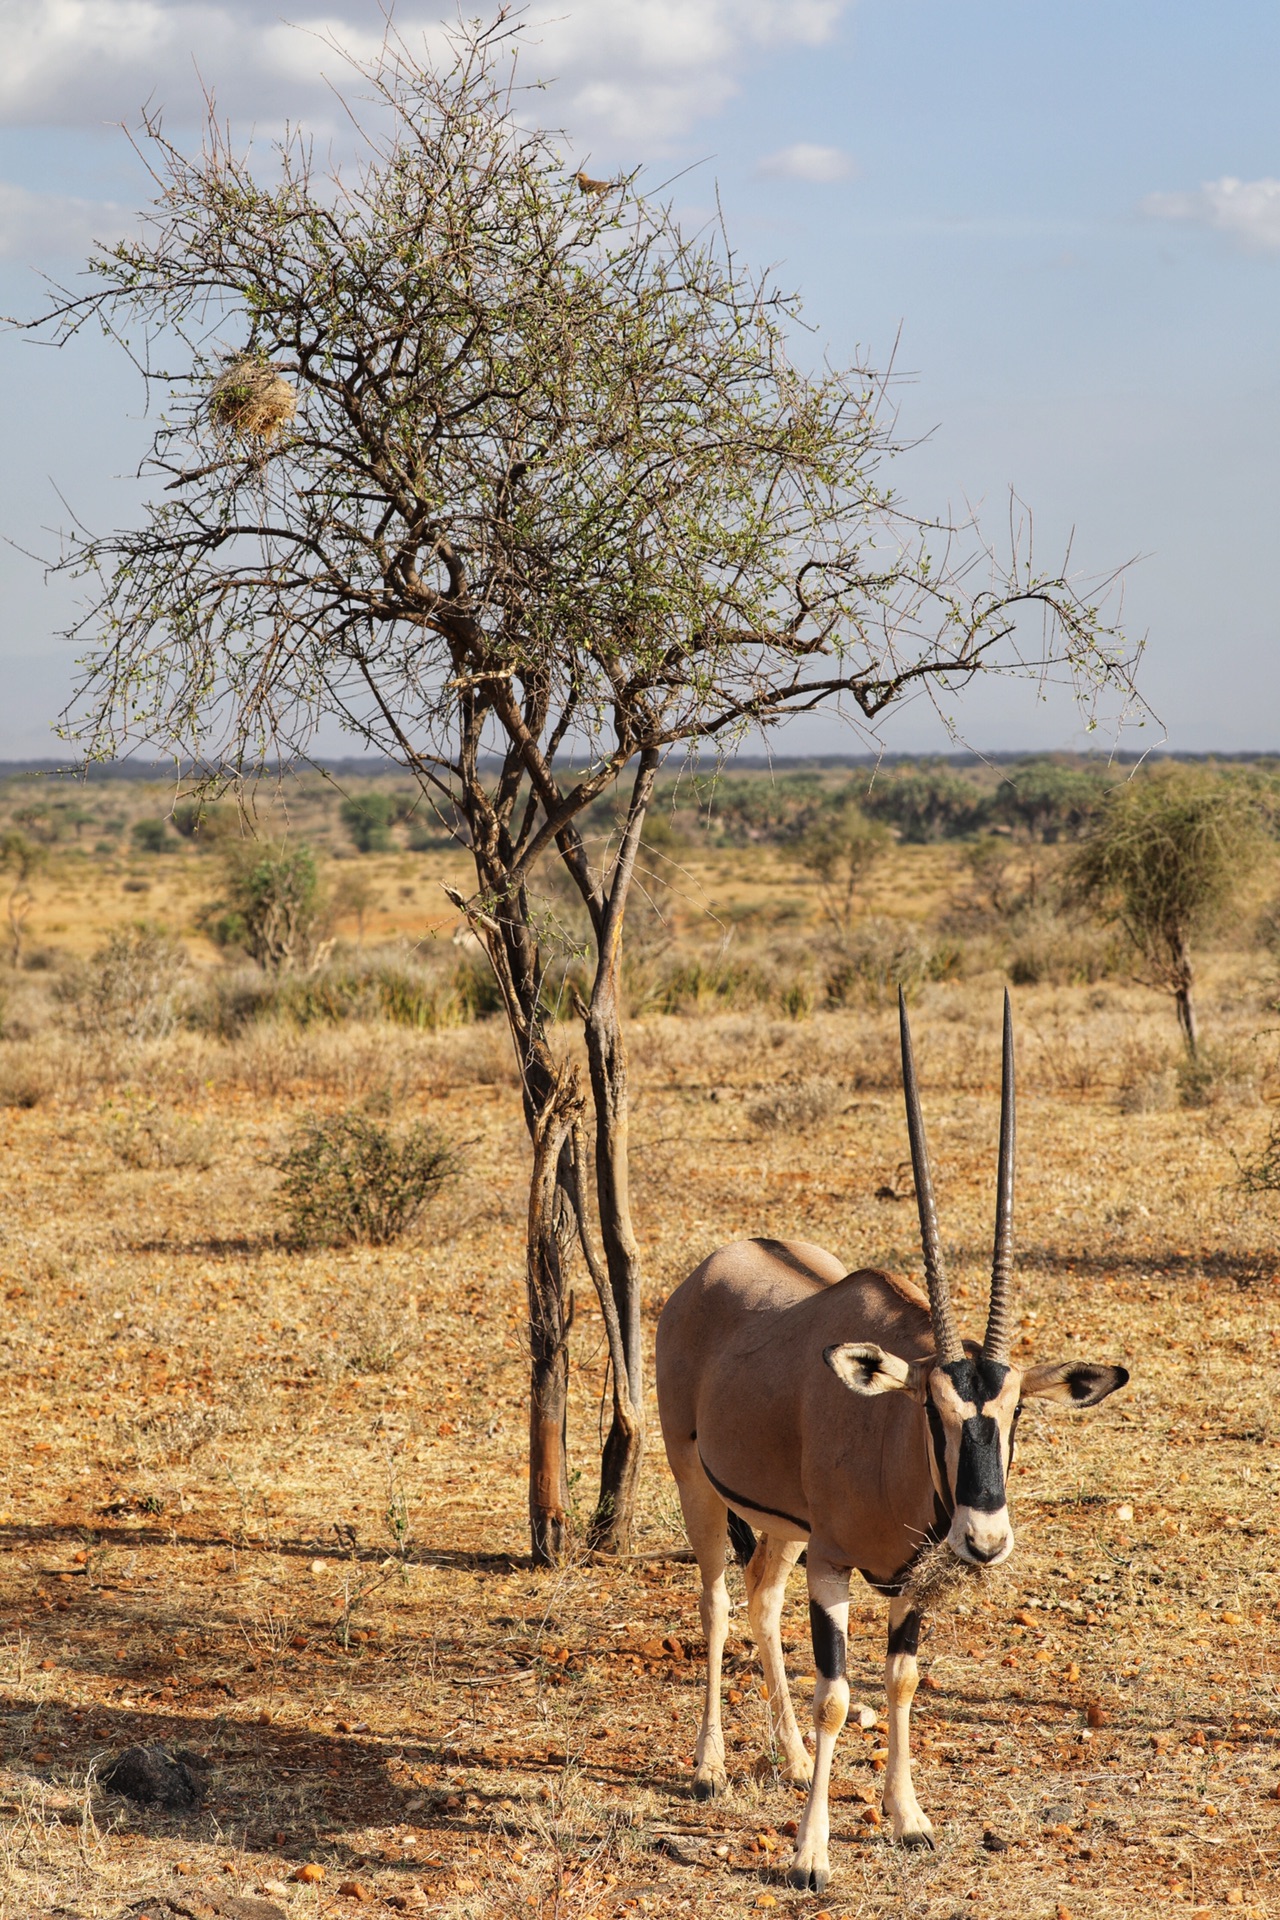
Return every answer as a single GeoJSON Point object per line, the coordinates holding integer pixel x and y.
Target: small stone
{"type": "Point", "coordinates": [864, 1715]}
{"type": "Point", "coordinates": [1235, 1896]}
{"type": "Point", "coordinates": [356, 1890]}
{"type": "Point", "coordinates": [1124, 1513]}
{"type": "Point", "coordinates": [310, 1874]}
{"type": "Point", "coordinates": [871, 1816]}
{"type": "Point", "coordinates": [1096, 1714]}
{"type": "Point", "coordinates": [993, 1842]}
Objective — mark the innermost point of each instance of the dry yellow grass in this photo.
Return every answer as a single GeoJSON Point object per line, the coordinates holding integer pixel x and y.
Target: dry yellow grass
{"type": "Point", "coordinates": [269, 1506]}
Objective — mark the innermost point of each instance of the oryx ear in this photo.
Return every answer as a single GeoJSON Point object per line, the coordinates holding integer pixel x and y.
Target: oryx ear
{"type": "Point", "coordinates": [865, 1368]}
{"type": "Point", "coordinates": [1075, 1381]}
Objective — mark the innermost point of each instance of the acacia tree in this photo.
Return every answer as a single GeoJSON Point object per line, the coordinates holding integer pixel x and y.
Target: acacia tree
{"type": "Point", "coordinates": [1168, 851]}
{"type": "Point", "coordinates": [522, 484]}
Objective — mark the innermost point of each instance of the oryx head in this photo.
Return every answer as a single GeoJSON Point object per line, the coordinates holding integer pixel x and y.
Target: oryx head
{"type": "Point", "coordinates": [971, 1394]}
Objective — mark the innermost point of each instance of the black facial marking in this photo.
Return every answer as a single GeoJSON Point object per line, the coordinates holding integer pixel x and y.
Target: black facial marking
{"type": "Point", "coordinates": [980, 1470]}
{"type": "Point", "coordinates": [977, 1380]}
{"type": "Point", "coordinates": [905, 1637]}
{"type": "Point", "coordinates": [1013, 1430]}
{"type": "Point", "coordinates": [938, 1434]}
{"type": "Point", "coordinates": [828, 1643]}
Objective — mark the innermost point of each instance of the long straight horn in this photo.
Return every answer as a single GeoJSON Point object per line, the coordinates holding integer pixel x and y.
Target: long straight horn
{"type": "Point", "coordinates": [945, 1332]}
{"type": "Point", "coordinates": [995, 1342]}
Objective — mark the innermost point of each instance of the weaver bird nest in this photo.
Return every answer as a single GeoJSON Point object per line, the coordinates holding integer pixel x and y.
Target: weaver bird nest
{"type": "Point", "coordinates": [251, 400]}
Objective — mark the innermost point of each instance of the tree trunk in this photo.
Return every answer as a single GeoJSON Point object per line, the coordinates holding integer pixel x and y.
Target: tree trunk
{"type": "Point", "coordinates": [614, 1517]}
{"type": "Point", "coordinates": [549, 1323]}
{"type": "Point", "coordinates": [1183, 983]}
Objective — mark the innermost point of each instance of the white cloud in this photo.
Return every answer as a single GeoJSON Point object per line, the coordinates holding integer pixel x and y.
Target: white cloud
{"type": "Point", "coordinates": [32, 224]}
{"type": "Point", "coordinates": [637, 71]}
{"type": "Point", "coordinates": [818, 165]}
{"type": "Point", "coordinates": [1246, 210]}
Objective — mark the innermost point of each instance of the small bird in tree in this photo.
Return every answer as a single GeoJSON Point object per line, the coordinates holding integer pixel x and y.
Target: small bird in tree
{"type": "Point", "coordinates": [587, 185]}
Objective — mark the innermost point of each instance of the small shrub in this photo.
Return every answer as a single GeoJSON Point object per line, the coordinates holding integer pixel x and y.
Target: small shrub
{"type": "Point", "coordinates": [797, 1109]}
{"type": "Point", "coordinates": [274, 910]}
{"type": "Point", "coordinates": [369, 818]}
{"type": "Point", "coordinates": [1047, 951]}
{"type": "Point", "coordinates": [149, 836]}
{"type": "Point", "coordinates": [348, 1178]}
{"type": "Point", "coordinates": [148, 1136]}
{"type": "Point", "coordinates": [1259, 1173]}
{"type": "Point", "coordinates": [26, 1078]}
{"type": "Point", "coordinates": [130, 986]}
{"type": "Point", "coordinates": [882, 955]}
{"type": "Point", "coordinates": [1213, 1076]}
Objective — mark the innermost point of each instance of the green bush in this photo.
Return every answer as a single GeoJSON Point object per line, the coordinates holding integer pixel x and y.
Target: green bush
{"type": "Point", "coordinates": [347, 1178]}
{"type": "Point", "coordinates": [274, 909]}
{"type": "Point", "coordinates": [1047, 800]}
{"type": "Point", "coordinates": [149, 836]}
{"type": "Point", "coordinates": [369, 818]}
{"type": "Point", "coordinates": [930, 804]}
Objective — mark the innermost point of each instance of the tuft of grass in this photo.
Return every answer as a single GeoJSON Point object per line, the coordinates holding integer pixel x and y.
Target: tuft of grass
{"type": "Point", "coordinates": [347, 1178]}
{"type": "Point", "coordinates": [797, 1109]}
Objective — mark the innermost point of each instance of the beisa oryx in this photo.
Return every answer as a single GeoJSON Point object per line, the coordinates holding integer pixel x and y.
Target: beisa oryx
{"type": "Point", "coordinates": [843, 1415]}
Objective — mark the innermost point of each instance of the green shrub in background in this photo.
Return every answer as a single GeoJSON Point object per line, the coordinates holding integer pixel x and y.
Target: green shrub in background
{"type": "Point", "coordinates": [1049, 801]}
{"type": "Point", "coordinates": [932, 803]}
{"type": "Point", "coordinates": [1166, 856]}
{"type": "Point", "coordinates": [274, 909]}
{"type": "Point", "coordinates": [346, 1177]}
{"type": "Point", "coordinates": [149, 836]}
{"type": "Point", "coordinates": [369, 818]}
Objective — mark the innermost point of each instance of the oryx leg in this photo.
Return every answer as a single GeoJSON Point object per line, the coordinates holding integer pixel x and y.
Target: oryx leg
{"type": "Point", "coordinates": [766, 1577]}
{"type": "Point", "coordinates": [829, 1619]}
{"type": "Point", "coordinates": [706, 1520]}
{"type": "Point", "coordinates": [901, 1678]}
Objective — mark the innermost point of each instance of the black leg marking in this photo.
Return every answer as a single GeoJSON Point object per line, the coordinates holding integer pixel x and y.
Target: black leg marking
{"type": "Point", "coordinates": [905, 1637]}
{"type": "Point", "coordinates": [828, 1643]}
{"type": "Point", "coordinates": [742, 1538]}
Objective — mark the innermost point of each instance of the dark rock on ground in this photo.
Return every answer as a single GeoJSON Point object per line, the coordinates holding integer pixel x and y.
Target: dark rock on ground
{"type": "Point", "coordinates": [153, 1777]}
{"type": "Point", "coordinates": [205, 1903]}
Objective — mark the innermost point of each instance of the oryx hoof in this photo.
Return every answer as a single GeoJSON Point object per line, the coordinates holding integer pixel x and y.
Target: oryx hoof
{"type": "Point", "coordinates": [812, 1879]}
{"type": "Point", "coordinates": [708, 1782]}
{"type": "Point", "coordinates": [916, 1840]}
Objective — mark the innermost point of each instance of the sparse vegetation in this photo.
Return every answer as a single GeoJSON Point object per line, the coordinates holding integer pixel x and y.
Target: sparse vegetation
{"type": "Point", "coordinates": [349, 1179]}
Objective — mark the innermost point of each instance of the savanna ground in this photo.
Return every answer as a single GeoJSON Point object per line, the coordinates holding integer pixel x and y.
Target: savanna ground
{"type": "Point", "coordinates": [267, 1506]}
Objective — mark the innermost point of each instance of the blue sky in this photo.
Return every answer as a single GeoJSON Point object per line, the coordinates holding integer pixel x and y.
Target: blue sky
{"type": "Point", "coordinates": [1068, 216]}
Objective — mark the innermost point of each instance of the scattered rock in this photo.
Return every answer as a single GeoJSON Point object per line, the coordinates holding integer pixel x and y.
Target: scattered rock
{"type": "Point", "coordinates": [993, 1842]}
{"type": "Point", "coordinates": [310, 1874]}
{"type": "Point", "coordinates": [153, 1777]}
{"type": "Point", "coordinates": [1096, 1714]}
{"type": "Point", "coordinates": [864, 1716]}
{"type": "Point", "coordinates": [205, 1903]}
{"type": "Point", "coordinates": [356, 1890]}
